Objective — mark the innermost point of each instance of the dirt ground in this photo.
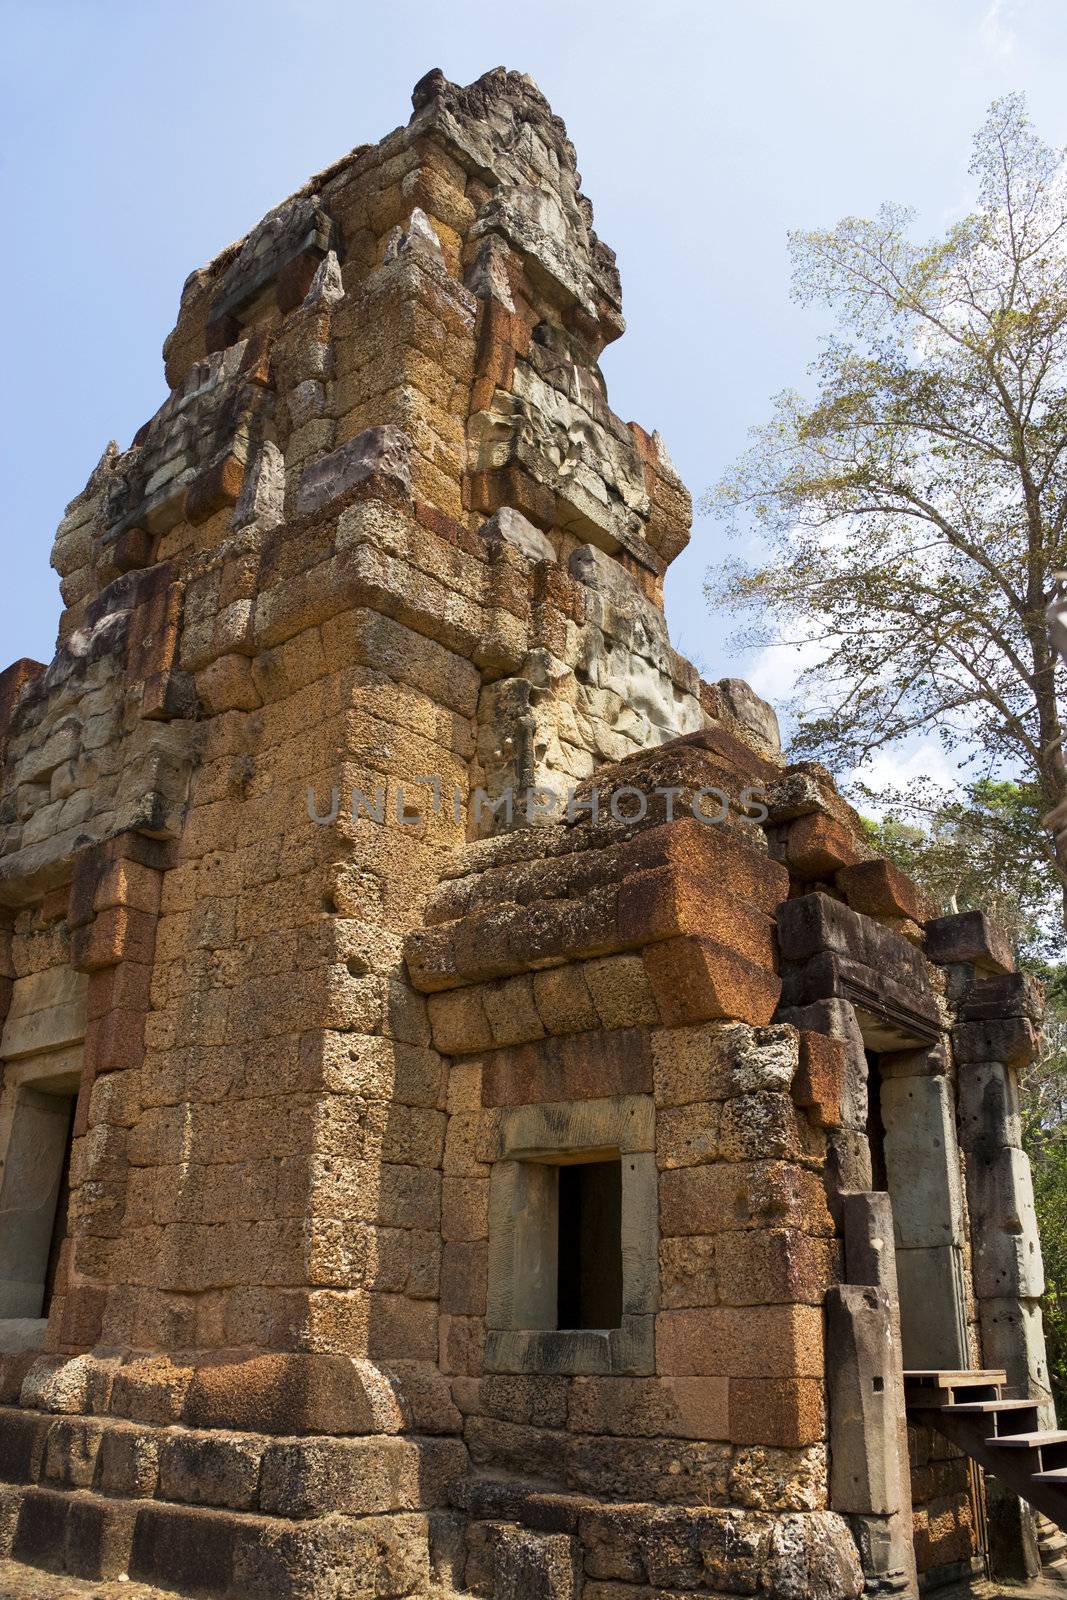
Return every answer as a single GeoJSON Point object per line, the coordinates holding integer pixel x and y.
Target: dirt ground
{"type": "Point", "coordinates": [18, 1582]}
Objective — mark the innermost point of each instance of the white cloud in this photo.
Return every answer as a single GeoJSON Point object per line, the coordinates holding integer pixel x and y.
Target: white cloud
{"type": "Point", "coordinates": [996, 27]}
{"type": "Point", "coordinates": [775, 670]}
{"type": "Point", "coordinates": [922, 758]}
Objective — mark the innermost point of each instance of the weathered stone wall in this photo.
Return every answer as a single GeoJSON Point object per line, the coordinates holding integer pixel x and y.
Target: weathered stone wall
{"type": "Point", "coordinates": [294, 899]}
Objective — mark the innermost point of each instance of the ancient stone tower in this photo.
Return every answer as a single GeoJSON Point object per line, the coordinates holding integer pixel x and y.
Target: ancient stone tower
{"type": "Point", "coordinates": [473, 1120]}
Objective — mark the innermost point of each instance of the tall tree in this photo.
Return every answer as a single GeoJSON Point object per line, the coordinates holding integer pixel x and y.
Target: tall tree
{"type": "Point", "coordinates": [914, 512]}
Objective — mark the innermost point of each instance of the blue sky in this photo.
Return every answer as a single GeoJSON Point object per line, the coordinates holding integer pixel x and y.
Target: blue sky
{"type": "Point", "coordinates": [138, 139]}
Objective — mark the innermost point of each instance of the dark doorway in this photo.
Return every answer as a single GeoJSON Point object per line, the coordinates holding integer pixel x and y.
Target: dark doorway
{"type": "Point", "coordinates": [875, 1126]}
{"type": "Point", "coordinates": [589, 1293]}
{"type": "Point", "coordinates": [59, 1226]}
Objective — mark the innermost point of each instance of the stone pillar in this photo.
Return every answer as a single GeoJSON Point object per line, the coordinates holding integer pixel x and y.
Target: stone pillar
{"type": "Point", "coordinates": [922, 1161]}
{"type": "Point", "coordinates": [1009, 1275]}
{"type": "Point", "coordinates": [870, 1477]}
{"type": "Point", "coordinates": [995, 1035]}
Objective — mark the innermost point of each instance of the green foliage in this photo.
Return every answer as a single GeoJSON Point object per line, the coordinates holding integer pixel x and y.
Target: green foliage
{"type": "Point", "coordinates": [979, 848]}
{"type": "Point", "coordinates": [1044, 1110]}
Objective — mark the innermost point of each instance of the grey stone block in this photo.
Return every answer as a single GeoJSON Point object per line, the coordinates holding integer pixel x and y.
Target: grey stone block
{"type": "Point", "coordinates": [864, 1401]}
{"type": "Point", "coordinates": [1013, 1338]}
{"type": "Point", "coordinates": [376, 452]}
{"type": "Point", "coordinates": [989, 1114]}
{"type": "Point", "coordinates": [922, 1162]}
{"type": "Point", "coordinates": [1007, 1248]}
{"type": "Point", "coordinates": [1009, 994]}
{"type": "Point", "coordinates": [932, 1324]}
{"type": "Point", "coordinates": [1009, 1039]}
{"type": "Point", "coordinates": [969, 936]}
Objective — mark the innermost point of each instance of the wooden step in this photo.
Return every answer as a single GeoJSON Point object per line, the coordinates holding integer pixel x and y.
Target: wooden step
{"type": "Point", "coordinates": [1029, 1441]}
{"type": "Point", "coordinates": [980, 1407]}
{"type": "Point", "coordinates": [945, 1378]}
{"type": "Point", "coordinates": [1012, 1456]}
{"type": "Point", "coordinates": [929, 1390]}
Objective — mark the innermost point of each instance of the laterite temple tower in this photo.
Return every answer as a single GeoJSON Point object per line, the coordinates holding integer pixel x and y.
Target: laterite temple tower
{"type": "Point", "coordinates": [412, 1183]}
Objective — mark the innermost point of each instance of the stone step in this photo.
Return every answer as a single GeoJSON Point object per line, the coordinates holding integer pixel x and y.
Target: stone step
{"type": "Point", "coordinates": [214, 1552]}
{"type": "Point", "coordinates": [359, 1475]}
{"type": "Point", "coordinates": [1051, 1544]}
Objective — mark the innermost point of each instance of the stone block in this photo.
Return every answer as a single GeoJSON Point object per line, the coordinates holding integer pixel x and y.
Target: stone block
{"type": "Point", "coordinates": [128, 1462]}
{"type": "Point", "coordinates": [741, 1342]}
{"type": "Point", "coordinates": [22, 1444]}
{"type": "Point", "coordinates": [730, 1195]}
{"type": "Point", "coordinates": [920, 1152]}
{"type": "Point", "coordinates": [932, 1326]}
{"type": "Point", "coordinates": [778, 1478]}
{"type": "Point", "coordinates": [864, 1399]}
{"type": "Point", "coordinates": [969, 936]}
{"type": "Point", "coordinates": [687, 1136]}
{"type": "Point", "coordinates": [1013, 1040]}
{"type": "Point", "coordinates": [620, 991]}
{"type": "Point", "coordinates": [210, 1470]}
{"type": "Point", "coordinates": [687, 1272]}
{"type": "Point", "coordinates": [536, 1566]}
{"type": "Point", "coordinates": [539, 1399]}
{"type": "Point", "coordinates": [465, 1208]}
{"type": "Point", "coordinates": [879, 889]}
{"type": "Point", "coordinates": [118, 934]}
{"type": "Point", "coordinates": [563, 999]}
{"type": "Point", "coordinates": [988, 1106]}
{"type": "Point", "coordinates": [1007, 1247]}
{"type": "Point", "coordinates": [664, 1471]}
{"type": "Point", "coordinates": [509, 1006]}
{"type": "Point", "coordinates": [783, 1412]}
{"type": "Point", "coordinates": [1013, 1338]}
{"type": "Point", "coordinates": [319, 1477]}
{"type": "Point", "coordinates": [774, 1266]}
{"type": "Point", "coordinates": [70, 1453]}
{"type": "Point", "coordinates": [292, 1393]}
{"type": "Point", "coordinates": [85, 1536]}
{"type": "Point", "coordinates": [382, 452]}
{"type": "Point", "coordinates": [720, 1060]}
{"type": "Point", "coordinates": [463, 1278]}
{"type": "Point", "coordinates": [848, 1164]}
{"type": "Point", "coordinates": [680, 1408]}
{"type": "Point", "coordinates": [669, 902]}
{"type": "Point", "coordinates": [817, 846]}
{"type": "Point", "coordinates": [150, 1389]}
{"type": "Point", "coordinates": [1008, 994]}
{"type": "Point", "coordinates": [760, 1126]}
{"type": "Point", "coordinates": [870, 1253]}
{"type": "Point", "coordinates": [228, 684]}
{"type": "Point", "coordinates": [819, 1086]}
{"type": "Point", "coordinates": [694, 980]}
{"type": "Point", "coordinates": [585, 1066]}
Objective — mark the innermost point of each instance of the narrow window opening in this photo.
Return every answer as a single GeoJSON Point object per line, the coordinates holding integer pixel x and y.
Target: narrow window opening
{"type": "Point", "coordinates": [589, 1283]}
{"type": "Point", "coordinates": [59, 1224]}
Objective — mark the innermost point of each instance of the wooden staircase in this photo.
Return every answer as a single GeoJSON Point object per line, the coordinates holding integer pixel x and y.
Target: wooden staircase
{"type": "Point", "coordinates": [1001, 1434]}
